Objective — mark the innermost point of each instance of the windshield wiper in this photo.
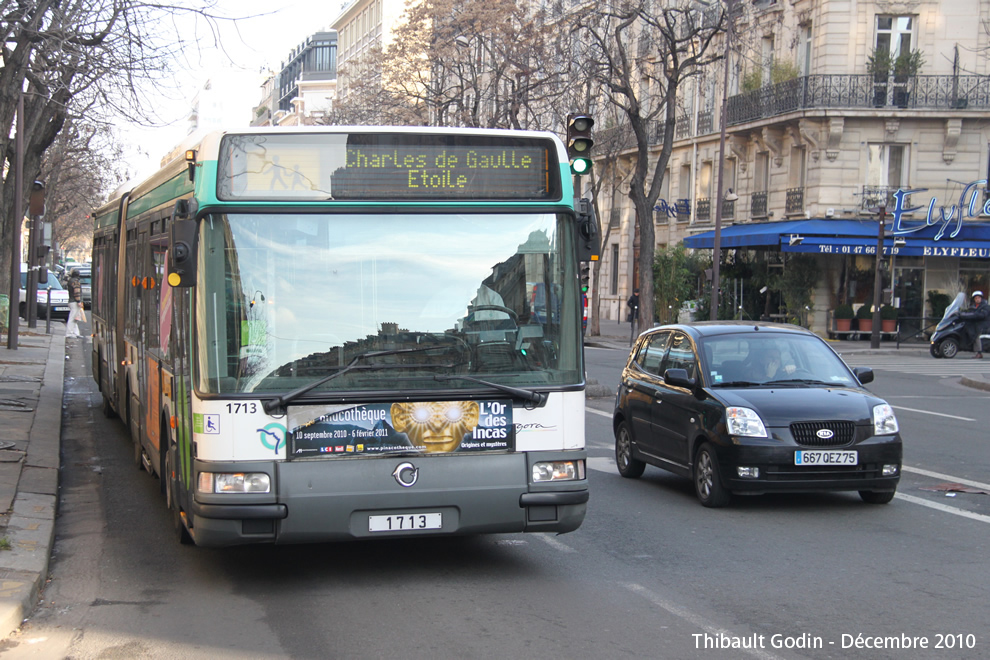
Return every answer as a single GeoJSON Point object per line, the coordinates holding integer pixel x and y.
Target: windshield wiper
{"type": "Point", "coordinates": [277, 404]}
{"type": "Point", "coordinates": [737, 383]}
{"type": "Point", "coordinates": [798, 381]}
{"type": "Point", "coordinates": [536, 398]}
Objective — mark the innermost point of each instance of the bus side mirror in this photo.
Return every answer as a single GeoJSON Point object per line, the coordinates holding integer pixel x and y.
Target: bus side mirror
{"type": "Point", "coordinates": [588, 233]}
{"type": "Point", "coordinates": [182, 246]}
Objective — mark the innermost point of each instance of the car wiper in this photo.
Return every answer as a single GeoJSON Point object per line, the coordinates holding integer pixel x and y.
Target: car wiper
{"type": "Point", "coordinates": [737, 383]}
{"type": "Point", "coordinates": [277, 404]}
{"type": "Point", "coordinates": [798, 381]}
{"type": "Point", "coordinates": [536, 398]}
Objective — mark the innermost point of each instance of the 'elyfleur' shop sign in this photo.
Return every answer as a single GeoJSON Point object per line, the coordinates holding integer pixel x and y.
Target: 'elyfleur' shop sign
{"type": "Point", "coordinates": [948, 218]}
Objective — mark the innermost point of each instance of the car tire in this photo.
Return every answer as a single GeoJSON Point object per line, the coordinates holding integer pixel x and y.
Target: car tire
{"type": "Point", "coordinates": [876, 496]}
{"type": "Point", "coordinates": [933, 349]}
{"type": "Point", "coordinates": [629, 467]}
{"type": "Point", "coordinates": [707, 481]}
{"type": "Point", "coordinates": [949, 348]}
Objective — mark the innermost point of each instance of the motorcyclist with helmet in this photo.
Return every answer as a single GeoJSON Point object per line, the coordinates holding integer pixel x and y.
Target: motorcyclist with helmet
{"type": "Point", "coordinates": [977, 319]}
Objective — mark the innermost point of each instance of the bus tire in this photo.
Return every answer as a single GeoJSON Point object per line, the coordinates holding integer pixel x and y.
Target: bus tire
{"type": "Point", "coordinates": [172, 500]}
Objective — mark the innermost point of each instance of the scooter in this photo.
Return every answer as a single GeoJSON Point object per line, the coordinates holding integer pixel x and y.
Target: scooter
{"type": "Point", "coordinates": [950, 336]}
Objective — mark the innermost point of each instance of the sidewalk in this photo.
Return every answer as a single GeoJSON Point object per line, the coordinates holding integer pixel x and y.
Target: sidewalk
{"type": "Point", "coordinates": [31, 382]}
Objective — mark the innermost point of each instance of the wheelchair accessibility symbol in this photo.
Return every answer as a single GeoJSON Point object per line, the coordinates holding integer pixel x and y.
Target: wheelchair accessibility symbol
{"type": "Point", "coordinates": [273, 436]}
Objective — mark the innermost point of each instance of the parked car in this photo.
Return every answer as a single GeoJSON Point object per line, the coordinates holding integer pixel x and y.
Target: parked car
{"type": "Point", "coordinates": [60, 297]}
{"type": "Point", "coordinates": [753, 408]}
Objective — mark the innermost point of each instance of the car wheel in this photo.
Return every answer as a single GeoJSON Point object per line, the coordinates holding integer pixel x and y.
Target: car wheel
{"type": "Point", "coordinates": [933, 349]}
{"type": "Point", "coordinates": [949, 348]}
{"type": "Point", "coordinates": [876, 496]}
{"type": "Point", "coordinates": [629, 467]}
{"type": "Point", "coordinates": [707, 482]}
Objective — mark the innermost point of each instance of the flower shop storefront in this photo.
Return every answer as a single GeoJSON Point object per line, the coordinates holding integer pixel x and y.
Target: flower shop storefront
{"type": "Point", "coordinates": [923, 264]}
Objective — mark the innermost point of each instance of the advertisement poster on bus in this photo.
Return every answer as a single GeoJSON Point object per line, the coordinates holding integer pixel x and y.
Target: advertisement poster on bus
{"type": "Point", "coordinates": [429, 427]}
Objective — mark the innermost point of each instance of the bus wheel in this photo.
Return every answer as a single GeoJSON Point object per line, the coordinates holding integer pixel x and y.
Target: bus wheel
{"type": "Point", "coordinates": [169, 478]}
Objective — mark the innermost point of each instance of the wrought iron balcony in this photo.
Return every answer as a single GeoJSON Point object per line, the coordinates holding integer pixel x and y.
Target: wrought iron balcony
{"type": "Point", "coordinates": [861, 91]}
{"type": "Point", "coordinates": [706, 122]}
{"type": "Point", "coordinates": [703, 210]}
{"type": "Point", "coordinates": [758, 205]}
{"type": "Point", "coordinates": [728, 209]}
{"type": "Point", "coordinates": [795, 200]}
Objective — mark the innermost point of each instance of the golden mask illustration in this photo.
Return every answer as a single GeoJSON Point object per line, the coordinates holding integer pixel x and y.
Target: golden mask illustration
{"type": "Point", "coordinates": [438, 426]}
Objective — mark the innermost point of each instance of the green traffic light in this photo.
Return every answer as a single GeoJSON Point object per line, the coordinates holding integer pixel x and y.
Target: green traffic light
{"type": "Point", "coordinates": [580, 166]}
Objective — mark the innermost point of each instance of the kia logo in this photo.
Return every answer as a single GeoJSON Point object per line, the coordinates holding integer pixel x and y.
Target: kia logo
{"type": "Point", "coordinates": [825, 434]}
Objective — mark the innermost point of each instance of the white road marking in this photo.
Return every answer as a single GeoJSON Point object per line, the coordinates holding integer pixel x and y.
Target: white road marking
{"type": "Point", "coordinates": [929, 412]}
{"type": "Point", "coordinates": [601, 463]}
{"type": "Point", "coordinates": [942, 507]}
{"type": "Point", "coordinates": [598, 412]}
{"type": "Point", "coordinates": [695, 619]}
{"type": "Point", "coordinates": [946, 477]}
{"type": "Point", "coordinates": [554, 543]}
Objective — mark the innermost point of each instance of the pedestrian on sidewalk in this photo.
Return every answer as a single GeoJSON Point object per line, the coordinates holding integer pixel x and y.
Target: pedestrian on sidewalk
{"type": "Point", "coordinates": [75, 304]}
{"type": "Point", "coordinates": [977, 319]}
{"type": "Point", "coordinates": [633, 304]}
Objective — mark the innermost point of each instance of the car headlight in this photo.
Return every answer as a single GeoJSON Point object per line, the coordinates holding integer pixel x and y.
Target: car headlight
{"type": "Point", "coordinates": [743, 421]}
{"type": "Point", "coordinates": [558, 471]}
{"type": "Point", "coordinates": [884, 422]}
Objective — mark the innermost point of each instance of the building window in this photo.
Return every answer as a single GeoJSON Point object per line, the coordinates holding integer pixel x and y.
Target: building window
{"type": "Point", "coordinates": [894, 34]}
{"type": "Point", "coordinates": [761, 177]}
{"type": "Point", "coordinates": [804, 52]}
{"type": "Point", "coordinates": [887, 166]}
{"type": "Point", "coordinates": [613, 284]}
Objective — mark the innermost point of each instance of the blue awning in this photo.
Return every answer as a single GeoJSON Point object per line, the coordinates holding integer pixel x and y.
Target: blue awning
{"type": "Point", "coordinates": [824, 236]}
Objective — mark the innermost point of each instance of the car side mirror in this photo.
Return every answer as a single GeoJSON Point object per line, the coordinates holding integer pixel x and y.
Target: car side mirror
{"type": "Point", "coordinates": [678, 378]}
{"type": "Point", "coordinates": [864, 374]}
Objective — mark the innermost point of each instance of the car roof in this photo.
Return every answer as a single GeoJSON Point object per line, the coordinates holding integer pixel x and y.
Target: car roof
{"type": "Point", "coordinates": [714, 328]}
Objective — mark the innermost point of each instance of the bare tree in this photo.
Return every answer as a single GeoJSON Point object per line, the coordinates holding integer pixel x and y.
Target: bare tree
{"type": "Point", "coordinates": [82, 59]}
{"type": "Point", "coordinates": [643, 51]}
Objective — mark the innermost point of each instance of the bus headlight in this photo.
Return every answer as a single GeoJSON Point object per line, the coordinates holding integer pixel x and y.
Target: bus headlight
{"type": "Point", "coordinates": [558, 471]}
{"type": "Point", "coordinates": [234, 482]}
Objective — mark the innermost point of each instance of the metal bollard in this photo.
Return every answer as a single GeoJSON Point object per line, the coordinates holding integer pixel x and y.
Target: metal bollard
{"type": "Point", "coordinates": [48, 313]}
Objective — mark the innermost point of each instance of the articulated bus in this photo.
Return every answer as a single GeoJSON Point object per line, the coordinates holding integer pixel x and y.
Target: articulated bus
{"type": "Point", "coordinates": [321, 334]}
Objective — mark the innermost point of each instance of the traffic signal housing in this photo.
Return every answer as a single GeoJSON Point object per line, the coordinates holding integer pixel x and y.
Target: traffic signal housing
{"type": "Point", "coordinates": [585, 276]}
{"type": "Point", "coordinates": [579, 142]}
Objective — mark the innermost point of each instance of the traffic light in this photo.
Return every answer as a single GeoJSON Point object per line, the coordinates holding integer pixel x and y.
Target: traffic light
{"type": "Point", "coordinates": [585, 276]}
{"type": "Point", "coordinates": [579, 142]}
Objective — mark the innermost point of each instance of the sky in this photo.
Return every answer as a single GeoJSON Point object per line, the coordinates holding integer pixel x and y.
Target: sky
{"type": "Point", "coordinates": [259, 42]}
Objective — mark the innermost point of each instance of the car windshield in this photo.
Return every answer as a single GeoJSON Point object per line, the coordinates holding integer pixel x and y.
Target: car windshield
{"type": "Point", "coordinates": [767, 358]}
{"type": "Point", "coordinates": [52, 281]}
{"type": "Point", "coordinates": [286, 300]}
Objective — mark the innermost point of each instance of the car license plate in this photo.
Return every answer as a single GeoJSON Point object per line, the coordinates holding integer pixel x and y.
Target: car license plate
{"type": "Point", "coordinates": [61, 309]}
{"type": "Point", "coordinates": [411, 522]}
{"type": "Point", "coordinates": [825, 457]}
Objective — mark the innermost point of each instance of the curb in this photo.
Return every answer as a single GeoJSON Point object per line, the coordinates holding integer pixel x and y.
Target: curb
{"type": "Point", "coordinates": [31, 528]}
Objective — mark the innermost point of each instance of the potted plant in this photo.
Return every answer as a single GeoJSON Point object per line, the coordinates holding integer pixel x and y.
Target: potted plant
{"type": "Point", "coordinates": [878, 64]}
{"type": "Point", "coordinates": [906, 66]}
{"type": "Point", "coordinates": [843, 316]}
{"type": "Point", "coordinates": [888, 318]}
{"type": "Point", "coordinates": [864, 316]}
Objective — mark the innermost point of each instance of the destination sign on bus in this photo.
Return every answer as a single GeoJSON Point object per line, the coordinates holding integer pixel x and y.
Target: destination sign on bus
{"type": "Point", "coordinates": [393, 166]}
{"type": "Point", "coordinates": [428, 427]}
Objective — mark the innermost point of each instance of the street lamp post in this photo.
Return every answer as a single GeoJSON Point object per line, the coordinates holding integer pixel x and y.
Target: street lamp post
{"type": "Point", "coordinates": [717, 242]}
{"type": "Point", "coordinates": [877, 282]}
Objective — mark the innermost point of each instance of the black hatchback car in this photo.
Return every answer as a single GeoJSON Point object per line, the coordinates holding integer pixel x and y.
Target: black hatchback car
{"type": "Point", "coordinates": [753, 408]}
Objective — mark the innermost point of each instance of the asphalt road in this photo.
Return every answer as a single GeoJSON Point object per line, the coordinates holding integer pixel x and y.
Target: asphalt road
{"type": "Point", "coordinates": [651, 573]}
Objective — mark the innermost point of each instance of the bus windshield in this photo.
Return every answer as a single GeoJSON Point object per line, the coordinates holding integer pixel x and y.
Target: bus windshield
{"type": "Point", "coordinates": [283, 300]}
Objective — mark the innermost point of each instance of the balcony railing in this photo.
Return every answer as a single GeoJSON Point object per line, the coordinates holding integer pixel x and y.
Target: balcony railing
{"type": "Point", "coordinates": [795, 200]}
{"type": "Point", "coordinates": [706, 122]}
{"type": "Point", "coordinates": [861, 91]}
{"type": "Point", "coordinates": [703, 209]}
{"type": "Point", "coordinates": [874, 197]}
{"type": "Point", "coordinates": [758, 205]}
{"type": "Point", "coordinates": [728, 209]}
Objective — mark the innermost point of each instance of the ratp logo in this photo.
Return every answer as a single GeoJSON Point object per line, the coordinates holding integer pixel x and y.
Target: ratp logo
{"type": "Point", "coordinates": [273, 436]}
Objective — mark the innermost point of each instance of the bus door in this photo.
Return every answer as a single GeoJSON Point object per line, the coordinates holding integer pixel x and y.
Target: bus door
{"type": "Point", "coordinates": [153, 269]}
